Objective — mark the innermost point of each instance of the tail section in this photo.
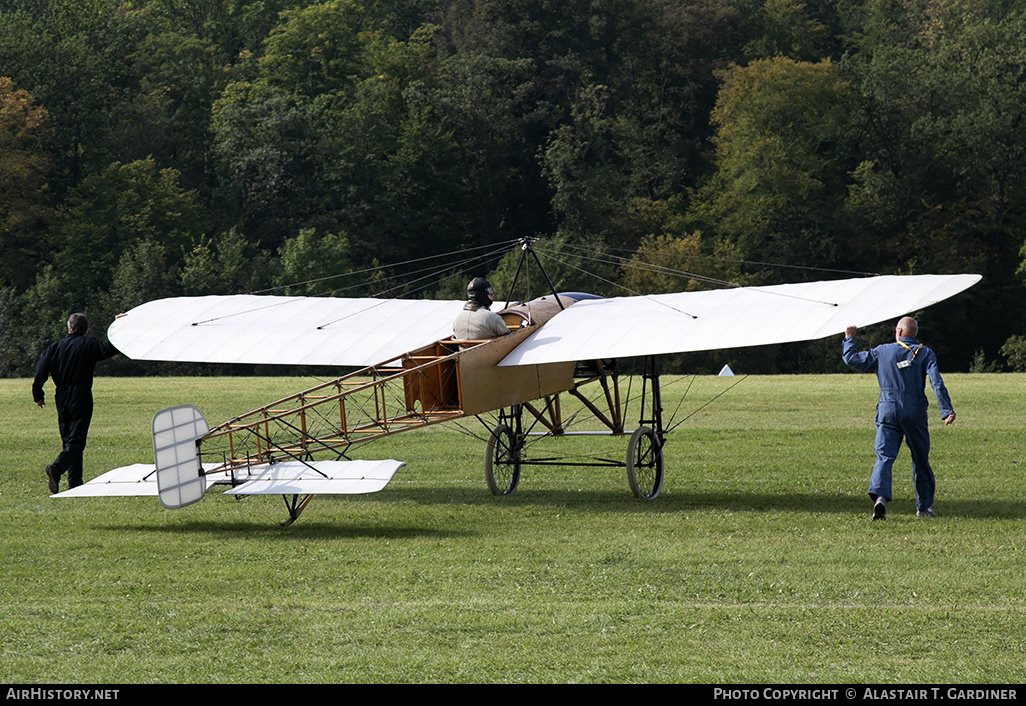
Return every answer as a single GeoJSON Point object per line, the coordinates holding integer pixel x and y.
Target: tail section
{"type": "Point", "coordinates": [180, 477]}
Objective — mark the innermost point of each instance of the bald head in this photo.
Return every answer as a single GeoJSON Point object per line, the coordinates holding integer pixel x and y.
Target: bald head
{"type": "Point", "coordinates": [906, 327]}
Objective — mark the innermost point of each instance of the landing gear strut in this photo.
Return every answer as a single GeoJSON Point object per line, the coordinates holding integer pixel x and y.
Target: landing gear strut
{"type": "Point", "coordinates": [504, 450]}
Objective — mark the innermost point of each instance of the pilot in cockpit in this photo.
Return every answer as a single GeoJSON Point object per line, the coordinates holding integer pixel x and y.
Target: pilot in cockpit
{"type": "Point", "coordinates": [476, 322]}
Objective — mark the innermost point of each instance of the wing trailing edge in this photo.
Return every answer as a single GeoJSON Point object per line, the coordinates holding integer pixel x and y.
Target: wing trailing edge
{"type": "Point", "coordinates": [627, 327]}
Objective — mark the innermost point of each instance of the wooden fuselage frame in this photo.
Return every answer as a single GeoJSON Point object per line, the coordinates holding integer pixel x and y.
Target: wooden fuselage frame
{"type": "Point", "coordinates": [466, 374]}
{"type": "Point", "coordinates": [445, 380]}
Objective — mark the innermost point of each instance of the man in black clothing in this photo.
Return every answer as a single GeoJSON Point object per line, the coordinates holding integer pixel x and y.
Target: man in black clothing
{"type": "Point", "coordinates": [71, 363]}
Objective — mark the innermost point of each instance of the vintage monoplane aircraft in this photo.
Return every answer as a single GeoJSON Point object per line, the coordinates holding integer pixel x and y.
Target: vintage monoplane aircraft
{"type": "Point", "coordinates": [411, 372]}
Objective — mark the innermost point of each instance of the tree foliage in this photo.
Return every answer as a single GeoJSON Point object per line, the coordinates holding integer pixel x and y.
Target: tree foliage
{"type": "Point", "coordinates": [781, 164]}
{"type": "Point", "coordinates": [24, 169]}
{"type": "Point", "coordinates": [184, 147]}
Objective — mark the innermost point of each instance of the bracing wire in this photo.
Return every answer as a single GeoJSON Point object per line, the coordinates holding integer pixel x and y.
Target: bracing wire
{"type": "Point", "coordinates": [432, 276]}
{"type": "Point", "coordinates": [603, 279]}
{"type": "Point", "coordinates": [679, 274]}
{"type": "Point", "coordinates": [493, 248]}
{"type": "Point", "coordinates": [428, 275]}
{"type": "Point", "coordinates": [673, 422]}
{"type": "Point", "coordinates": [629, 261]}
{"type": "Point", "coordinates": [672, 426]}
{"type": "Point", "coordinates": [428, 279]}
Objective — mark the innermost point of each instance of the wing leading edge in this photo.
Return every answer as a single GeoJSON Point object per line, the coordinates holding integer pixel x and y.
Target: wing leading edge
{"type": "Point", "coordinates": [280, 330]}
{"type": "Point", "coordinates": [729, 318]}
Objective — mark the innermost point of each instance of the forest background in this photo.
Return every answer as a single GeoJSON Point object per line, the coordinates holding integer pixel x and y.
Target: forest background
{"type": "Point", "coordinates": [187, 147]}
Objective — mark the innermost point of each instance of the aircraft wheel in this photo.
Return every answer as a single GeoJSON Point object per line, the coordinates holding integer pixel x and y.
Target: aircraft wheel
{"type": "Point", "coordinates": [645, 464]}
{"type": "Point", "coordinates": [502, 461]}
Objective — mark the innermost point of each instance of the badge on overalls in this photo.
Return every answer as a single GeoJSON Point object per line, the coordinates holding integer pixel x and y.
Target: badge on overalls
{"type": "Point", "coordinates": [906, 363]}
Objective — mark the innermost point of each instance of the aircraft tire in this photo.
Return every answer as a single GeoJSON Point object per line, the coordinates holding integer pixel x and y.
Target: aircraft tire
{"type": "Point", "coordinates": [645, 464]}
{"type": "Point", "coordinates": [502, 461]}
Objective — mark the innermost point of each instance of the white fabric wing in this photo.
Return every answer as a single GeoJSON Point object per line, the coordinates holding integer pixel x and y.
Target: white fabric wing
{"type": "Point", "coordinates": [136, 479]}
{"type": "Point", "coordinates": [319, 477]}
{"type": "Point", "coordinates": [281, 330]}
{"type": "Point", "coordinates": [285, 478]}
{"type": "Point", "coordinates": [358, 332]}
{"type": "Point", "coordinates": [729, 318]}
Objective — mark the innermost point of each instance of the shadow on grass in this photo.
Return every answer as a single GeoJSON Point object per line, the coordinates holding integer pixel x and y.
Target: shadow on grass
{"type": "Point", "coordinates": [338, 528]}
{"type": "Point", "coordinates": [678, 501]}
{"type": "Point", "coordinates": [622, 502]}
{"type": "Point", "coordinates": [335, 516]}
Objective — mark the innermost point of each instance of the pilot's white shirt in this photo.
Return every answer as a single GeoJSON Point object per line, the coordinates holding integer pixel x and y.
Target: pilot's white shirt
{"type": "Point", "coordinates": [478, 324]}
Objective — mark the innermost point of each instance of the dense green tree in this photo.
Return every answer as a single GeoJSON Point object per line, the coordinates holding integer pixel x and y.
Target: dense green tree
{"type": "Point", "coordinates": [582, 165]}
{"type": "Point", "coordinates": [321, 48]}
{"type": "Point", "coordinates": [314, 135]}
{"type": "Point", "coordinates": [673, 263]}
{"type": "Point", "coordinates": [488, 163]}
{"type": "Point", "coordinates": [40, 318]}
{"type": "Point", "coordinates": [71, 56]}
{"type": "Point", "coordinates": [312, 263]}
{"type": "Point", "coordinates": [235, 27]}
{"type": "Point", "coordinates": [143, 273]}
{"type": "Point", "coordinates": [227, 264]}
{"type": "Point", "coordinates": [109, 213]}
{"type": "Point", "coordinates": [637, 123]}
{"type": "Point", "coordinates": [781, 164]}
{"type": "Point", "coordinates": [939, 124]}
{"type": "Point", "coordinates": [156, 147]}
{"type": "Point", "coordinates": [24, 199]}
{"type": "Point", "coordinates": [786, 28]}
{"type": "Point", "coordinates": [10, 345]}
{"type": "Point", "coordinates": [263, 141]}
{"type": "Point", "coordinates": [166, 115]}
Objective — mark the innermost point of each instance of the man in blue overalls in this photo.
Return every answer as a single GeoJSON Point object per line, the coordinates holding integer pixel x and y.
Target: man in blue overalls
{"type": "Point", "coordinates": [901, 369]}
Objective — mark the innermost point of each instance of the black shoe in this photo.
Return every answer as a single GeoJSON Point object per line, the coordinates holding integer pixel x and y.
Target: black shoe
{"type": "Point", "coordinates": [52, 481]}
{"type": "Point", "coordinates": [879, 510]}
{"type": "Point", "coordinates": [928, 512]}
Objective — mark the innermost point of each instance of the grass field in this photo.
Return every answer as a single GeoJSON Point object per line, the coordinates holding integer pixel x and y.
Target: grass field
{"type": "Point", "coordinates": [758, 563]}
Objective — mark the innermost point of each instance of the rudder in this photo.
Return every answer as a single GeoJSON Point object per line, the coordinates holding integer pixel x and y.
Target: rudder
{"type": "Point", "coordinates": [180, 477]}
